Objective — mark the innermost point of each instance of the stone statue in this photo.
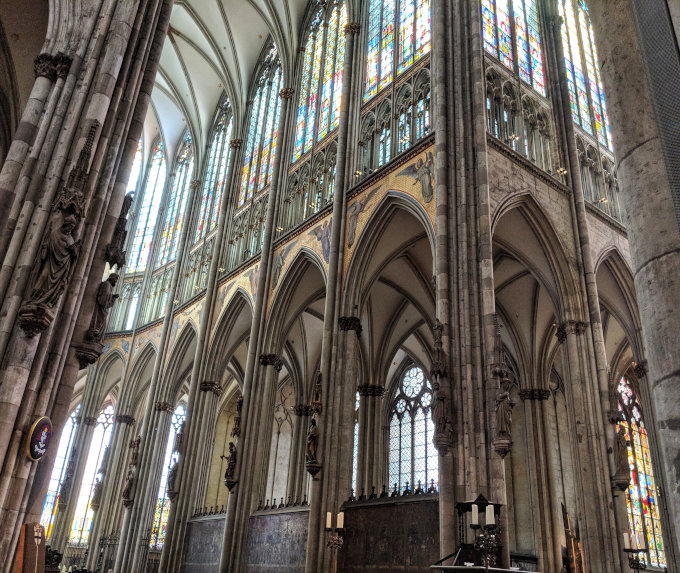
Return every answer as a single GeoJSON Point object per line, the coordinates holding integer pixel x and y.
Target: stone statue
{"type": "Point", "coordinates": [134, 446]}
{"type": "Point", "coordinates": [312, 443]}
{"type": "Point", "coordinates": [105, 300]}
{"type": "Point", "coordinates": [128, 488]}
{"type": "Point", "coordinates": [172, 482]}
{"type": "Point", "coordinates": [621, 452]}
{"type": "Point", "coordinates": [179, 439]}
{"type": "Point", "coordinates": [96, 500]}
{"type": "Point", "coordinates": [57, 256]}
{"type": "Point", "coordinates": [115, 255]}
{"type": "Point", "coordinates": [504, 407]}
{"type": "Point", "coordinates": [231, 463]}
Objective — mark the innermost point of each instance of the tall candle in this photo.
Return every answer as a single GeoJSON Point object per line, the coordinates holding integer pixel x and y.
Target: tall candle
{"type": "Point", "coordinates": [490, 518]}
{"type": "Point", "coordinates": [626, 541]}
{"type": "Point", "coordinates": [475, 514]}
{"type": "Point", "coordinates": [341, 520]}
{"type": "Point", "coordinates": [633, 541]}
{"type": "Point", "coordinates": [329, 519]}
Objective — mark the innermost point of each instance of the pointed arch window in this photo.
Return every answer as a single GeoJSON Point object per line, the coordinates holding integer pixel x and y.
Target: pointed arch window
{"type": "Point", "coordinates": [412, 456]}
{"type": "Point", "coordinates": [398, 36]}
{"type": "Point", "coordinates": [216, 174]}
{"type": "Point", "coordinates": [321, 83]}
{"type": "Point", "coordinates": [177, 203]}
{"type": "Point", "coordinates": [148, 211]}
{"type": "Point", "coordinates": [511, 33]}
{"type": "Point", "coordinates": [60, 472]}
{"type": "Point", "coordinates": [641, 497]}
{"type": "Point", "coordinates": [101, 436]}
{"type": "Point", "coordinates": [263, 131]}
{"type": "Point", "coordinates": [586, 95]}
{"type": "Point", "coordinates": [355, 448]}
{"type": "Point", "coordinates": [167, 485]}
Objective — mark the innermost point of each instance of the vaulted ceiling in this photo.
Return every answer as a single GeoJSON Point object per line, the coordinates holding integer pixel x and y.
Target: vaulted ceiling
{"type": "Point", "coordinates": [212, 49]}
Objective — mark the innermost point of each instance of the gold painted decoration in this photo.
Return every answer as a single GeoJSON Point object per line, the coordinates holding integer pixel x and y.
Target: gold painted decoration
{"type": "Point", "coordinates": [38, 439]}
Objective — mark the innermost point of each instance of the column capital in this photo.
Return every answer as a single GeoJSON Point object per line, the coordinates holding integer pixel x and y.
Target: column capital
{"type": "Point", "coordinates": [575, 327]}
{"type": "Point", "coordinates": [302, 410]}
{"type": "Point", "coordinates": [271, 360]}
{"type": "Point", "coordinates": [641, 368]}
{"type": "Point", "coordinates": [286, 93]}
{"type": "Point", "coordinates": [534, 394]}
{"type": "Point", "coordinates": [213, 387]}
{"type": "Point", "coordinates": [90, 421]}
{"type": "Point", "coordinates": [346, 323]}
{"type": "Point", "coordinates": [125, 419]}
{"type": "Point", "coordinates": [371, 390]}
{"type": "Point", "coordinates": [235, 143]}
{"type": "Point", "coordinates": [164, 407]}
{"type": "Point", "coordinates": [352, 28]}
{"type": "Point", "coordinates": [44, 67]}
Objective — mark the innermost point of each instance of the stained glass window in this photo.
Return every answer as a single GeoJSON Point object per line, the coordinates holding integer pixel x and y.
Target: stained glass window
{"type": "Point", "coordinates": [355, 448]}
{"type": "Point", "coordinates": [321, 82]}
{"type": "Point", "coordinates": [215, 175]}
{"type": "Point", "coordinates": [177, 203]}
{"type": "Point", "coordinates": [160, 520]}
{"type": "Point", "coordinates": [263, 132]}
{"type": "Point", "coordinates": [60, 471]}
{"type": "Point", "coordinates": [586, 95]}
{"type": "Point", "coordinates": [132, 309]}
{"type": "Point", "coordinates": [525, 54]}
{"type": "Point", "coordinates": [82, 520]}
{"type": "Point", "coordinates": [404, 22]}
{"type": "Point", "coordinates": [148, 211]}
{"type": "Point", "coordinates": [641, 496]}
{"type": "Point", "coordinates": [412, 456]}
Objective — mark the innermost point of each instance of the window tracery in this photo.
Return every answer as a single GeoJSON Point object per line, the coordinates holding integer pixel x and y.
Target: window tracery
{"type": "Point", "coordinates": [101, 436]}
{"type": "Point", "coordinates": [641, 496]}
{"type": "Point", "coordinates": [412, 456]}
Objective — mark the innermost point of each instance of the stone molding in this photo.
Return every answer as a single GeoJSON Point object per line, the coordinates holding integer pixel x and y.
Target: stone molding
{"type": "Point", "coordinates": [213, 387]}
{"type": "Point", "coordinates": [346, 323]}
{"type": "Point", "coordinates": [44, 67]}
{"type": "Point", "coordinates": [286, 93]}
{"type": "Point", "coordinates": [235, 143]}
{"type": "Point", "coordinates": [62, 64]}
{"type": "Point", "coordinates": [125, 419]}
{"type": "Point", "coordinates": [90, 421]}
{"type": "Point", "coordinates": [534, 394]}
{"type": "Point", "coordinates": [641, 368]}
{"type": "Point", "coordinates": [271, 360]}
{"type": "Point", "coordinates": [352, 28]}
{"type": "Point", "coordinates": [371, 390]}
{"type": "Point", "coordinates": [568, 327]}
{"type": "Point", "coordinates": [302, 410]}
{"type": "Point", "coordinates": [164, 407]}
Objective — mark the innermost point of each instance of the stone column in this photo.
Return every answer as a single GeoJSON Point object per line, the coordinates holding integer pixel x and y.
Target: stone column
{"type": "Point", "coordinates": [651, 218]}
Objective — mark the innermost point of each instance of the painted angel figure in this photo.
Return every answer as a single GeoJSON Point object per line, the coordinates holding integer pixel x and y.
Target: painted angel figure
{"type": "Point", "coordinates": [353, 212]}
{"type": "Point", "coordinates": [422, 172]}
{"type": "Point", "coordinates": [323, 234]}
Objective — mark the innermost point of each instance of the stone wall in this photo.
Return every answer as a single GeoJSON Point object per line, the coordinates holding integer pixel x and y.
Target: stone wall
{"type": "Point", "coordinates": [203, 545]}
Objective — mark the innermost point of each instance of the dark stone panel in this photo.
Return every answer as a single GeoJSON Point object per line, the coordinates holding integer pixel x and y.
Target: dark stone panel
{"type": "Point", "coordinates": [277, 542]}
{"type": "Point", "coordinates": [390, 536]}
{"type": "Point", "coordinates": [203, 545]}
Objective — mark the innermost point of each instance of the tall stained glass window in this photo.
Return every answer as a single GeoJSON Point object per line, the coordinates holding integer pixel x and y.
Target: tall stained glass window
{"type": "Point", "coordinates": [148, 211]}
{"type": "Point", "coordinates": [321, 84]}
{"type": "Point", "coordinates": [398, 35]}
{"type": "Point", "coordinates": [412, 456]}
{"type": "Point", "coordinates": [136, 170]}
{"type": "Point", "coordinates": [82, 520]}
{"type": "Point", "coordinates": [641, 497]}
{"type": "Point", "coordinates": [524, 55]}
{"type": "Point", "coordinates": [586, 95]}
{"type": "Point", "coordinates": [60, 472]}
{"type": "Point", "coordinates": [160, 520]}
{"type": "Point", "coordinates": [355, 449]}
{"type": "Point", "coordinates": [177, 203]}
{"type": "Point", "coordinates": [263, 130]}
{"type": "Point", "coordinates": [216, 174]}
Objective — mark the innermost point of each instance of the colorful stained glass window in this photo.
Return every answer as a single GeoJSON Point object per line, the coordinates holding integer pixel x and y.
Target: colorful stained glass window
{"type": "Point", "coordinates": [321, 82]}
{"type": "Point", "coordinates": [586, 95]}
{"type": "Point", "coordinates": [148, 211]}
{"type": "Point", "coordinates": [60, 472]}
{"type": "Point", "coordinates": [406, 23]}
{"type": "Point", "coordinates": [412, 456]}
{"type": "Point", "coordinates": [162, 511]}
{"type": "Point", "coordinates": [177, 203]}
{"type": "Point", "coordinates": [525, 55]}
{"type": "Point", "coordinates": [101, 436]}
{"type": "Point", "coordinates": [641, 497]}
{"type": "Point", "coordinates": [263, 131]}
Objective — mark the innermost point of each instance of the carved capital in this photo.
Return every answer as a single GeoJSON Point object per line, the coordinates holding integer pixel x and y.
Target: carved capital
{"type": "Point", "coordinates": [352, 28]}
{"type": "Point", "coordinates": [62, 64]}
{"type": "Point", "coordinates": [555, 20]}
{"type": "Point", "coordinates": [271, 360]}
{"type": "Point", "coordinates": [302, 410]}
{"type": "Point", "coordinates": [195, 183]}
{"type": "Point", "coordinates": [43, 67]}
{"type": "Point", "coordinates": [534, 394]}
{"type": "Point", "coordinates": [213, 387]}
{"type": "Point", "coordinates": [90, 421]}
{"type": "Point", "coordinates": [568, 327]}
{"type": "Point", "coordinates": [641, 368]}
{"type": "Point", "coordinates": [88, 353]}
{"type": "Point", "coordinates": [350, 323]}
{"type": "Point", "coordinates": [125, 419]}
{"type": "Point", "coordinates": [286, 93]}
{"type": "Point", "coordinates": [371, 390]}
{"type": "Point", "coordinates": [164, 407]}
{"type": "Point", "coordinates": [235, 143]}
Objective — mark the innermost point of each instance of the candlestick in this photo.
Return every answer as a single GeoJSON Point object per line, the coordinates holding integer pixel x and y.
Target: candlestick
{"type": "Point", "coordinates": [490, 518]}
{"type": "Point", "coordinates": [475, 514]}
{"type": "Point", "coordinates": [626, 541]}
{"type": "Point", "coordinates": [329, 520]}
{"type": "Point", "coordinates": [341, 520]}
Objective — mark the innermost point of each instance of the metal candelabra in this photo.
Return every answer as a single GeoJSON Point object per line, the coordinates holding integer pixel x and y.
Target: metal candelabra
{"type": "Point", "coordinates": [634, 561]}
{"type": "Point", "coordinates": [487, 542]}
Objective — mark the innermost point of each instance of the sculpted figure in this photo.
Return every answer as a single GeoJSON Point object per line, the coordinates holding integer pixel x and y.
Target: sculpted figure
{"type": "Point", "coordinates": [128, 489]}
{"type": "Point", "coordinates": [312, 442]}
{"type": "Point", "coordinates": [231, 463]}
{"type": "Point", "coordinates": [105, 300]}
{"type": "Point", "coordinates": [172, 481]}
{"type": "Point", "coordinates": [621, 452]}
{"type": "Point", "coordinates": [504, 412]}
{"type": "Point", "coordinates": [53, 270]}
